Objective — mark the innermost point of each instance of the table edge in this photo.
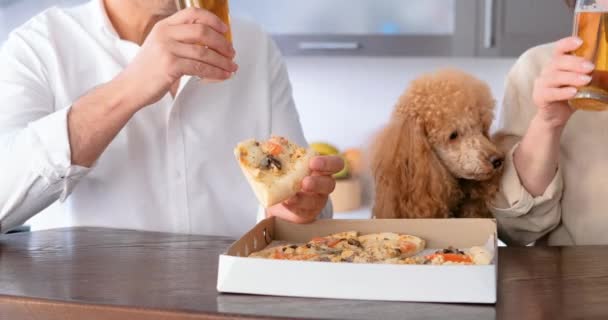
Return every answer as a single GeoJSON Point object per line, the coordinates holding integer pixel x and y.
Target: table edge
{"type": "Point", "coordinates": [31, 308]}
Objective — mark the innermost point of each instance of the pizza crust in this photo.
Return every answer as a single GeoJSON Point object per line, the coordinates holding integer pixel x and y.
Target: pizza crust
{"type": "Point", "coordinates": [480, 255]}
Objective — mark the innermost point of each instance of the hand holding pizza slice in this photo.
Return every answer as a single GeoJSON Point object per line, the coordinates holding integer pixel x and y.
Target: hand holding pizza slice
{"type": "Point", "coordinates": [291, 182]}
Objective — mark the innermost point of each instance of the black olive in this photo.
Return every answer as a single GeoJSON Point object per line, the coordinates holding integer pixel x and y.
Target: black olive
{"type": "Point", "coordinates": [284, 248]}
{"type": "Point", "coordinates": [354, 242]}
{"type": "Point", "coordinates": [265, 163]}
{"type": "Point", "coordinates": [274, 162]}
{"type": "Point", "coordinates": [349, 259]}
{"type": "Point", "coordinates": [398, 250]}
{"type": "Point", "coordinates": [293, 246]}
{"type": "Point", "coordinates": [308, 245]}
{"type": "Point", "coordinates": [257, 144]}
{"type": "Point", "coordinates": [269, 162]}
{"type": "Point", "coordinates": [325, 259]}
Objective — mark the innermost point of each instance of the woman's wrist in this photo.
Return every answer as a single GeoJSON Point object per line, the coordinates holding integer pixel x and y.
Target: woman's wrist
{"type": "Point", "coordinates": [546, 127]}
{"type": "Point", "coordinates": [537, 156]}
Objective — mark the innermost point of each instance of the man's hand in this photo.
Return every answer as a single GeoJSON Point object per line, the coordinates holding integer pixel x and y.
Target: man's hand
{"type": "Point", "coordinates": [307, 204]}
{"type": "Point", "coordinates": [190, 42]}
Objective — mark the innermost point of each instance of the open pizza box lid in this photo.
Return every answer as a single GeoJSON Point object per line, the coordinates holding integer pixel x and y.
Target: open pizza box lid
{"type": "Point", "coordinates": [424, 283]}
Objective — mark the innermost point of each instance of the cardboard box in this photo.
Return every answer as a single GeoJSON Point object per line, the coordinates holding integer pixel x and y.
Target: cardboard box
{"type": "Point", "coordinates": [425, 283]}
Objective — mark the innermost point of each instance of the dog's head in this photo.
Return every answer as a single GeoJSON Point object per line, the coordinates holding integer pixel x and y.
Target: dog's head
{"type": "Point", "coordinates": [454, 112]}
{"type": "Point", "coordinates": [437, 135]}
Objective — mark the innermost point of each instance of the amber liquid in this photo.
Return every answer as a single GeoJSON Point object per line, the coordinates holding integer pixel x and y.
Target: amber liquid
{"type": "Point", "coordinates": [591, 27]}
{"type": "Point", "coordinates": [218, 7]}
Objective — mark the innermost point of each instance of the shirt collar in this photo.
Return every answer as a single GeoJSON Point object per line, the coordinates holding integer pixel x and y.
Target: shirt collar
{"type": "Point", "coordinates": [102, 20]}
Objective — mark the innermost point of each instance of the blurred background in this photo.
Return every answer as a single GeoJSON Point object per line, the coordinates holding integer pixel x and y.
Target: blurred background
{"type": "Point", "coordinates": [349, 60]}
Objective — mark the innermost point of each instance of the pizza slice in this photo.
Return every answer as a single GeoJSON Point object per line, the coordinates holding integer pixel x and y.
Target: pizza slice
{"type": "Point", "coordinates": [472, 256]}
{"type": "Point", "coordinates": [387, 245]}
{"type": "Point", "coordinates": [274, 168]}
{"type": "Point", "coordinates": [338, 241]}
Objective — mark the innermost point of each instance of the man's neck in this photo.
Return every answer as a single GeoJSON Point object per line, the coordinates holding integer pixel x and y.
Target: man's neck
{"type": "Point", "coordinates": [131, 22]}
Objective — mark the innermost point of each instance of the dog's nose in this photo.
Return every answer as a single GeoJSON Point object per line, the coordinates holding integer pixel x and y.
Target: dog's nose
{"type": "Point", "coordinates": [496, 161]}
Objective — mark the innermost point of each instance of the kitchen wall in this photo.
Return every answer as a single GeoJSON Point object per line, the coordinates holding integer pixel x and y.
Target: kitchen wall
{"type": "Point", "coordinates": [344, 100]}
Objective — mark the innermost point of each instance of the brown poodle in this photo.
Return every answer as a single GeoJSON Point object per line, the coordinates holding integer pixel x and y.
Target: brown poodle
{"type": "Point", "coordinates": [435, 159]}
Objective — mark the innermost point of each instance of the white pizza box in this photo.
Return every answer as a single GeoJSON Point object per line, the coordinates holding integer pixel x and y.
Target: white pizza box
{"type": "Point", "coordinates": [423, 283]}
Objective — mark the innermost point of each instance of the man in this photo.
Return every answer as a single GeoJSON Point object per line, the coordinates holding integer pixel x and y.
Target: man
{"type": "Point", "coordinates": [102, 108]}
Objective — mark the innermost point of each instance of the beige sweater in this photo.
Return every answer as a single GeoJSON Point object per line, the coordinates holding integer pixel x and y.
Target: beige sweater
{"type": "Point", "coordinates": [574, 208]}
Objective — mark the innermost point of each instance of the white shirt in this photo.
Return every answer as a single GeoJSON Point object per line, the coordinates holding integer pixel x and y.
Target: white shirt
{"type": "Point", "coordinates": [171, 168]}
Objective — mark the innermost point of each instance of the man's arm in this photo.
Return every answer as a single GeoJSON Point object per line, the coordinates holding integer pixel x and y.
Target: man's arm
{"type": "Point", "coordinates": [169, 52]}
{"type": "Point", "coordinates": [45, 152]}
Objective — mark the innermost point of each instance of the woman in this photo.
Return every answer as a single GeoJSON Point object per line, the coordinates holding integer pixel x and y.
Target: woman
{"type": "Point", "coordinates": [555, 185]}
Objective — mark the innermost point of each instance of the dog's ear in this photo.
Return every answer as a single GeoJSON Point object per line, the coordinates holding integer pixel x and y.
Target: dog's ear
{"type": "Point", "coordinates": [410, 180]}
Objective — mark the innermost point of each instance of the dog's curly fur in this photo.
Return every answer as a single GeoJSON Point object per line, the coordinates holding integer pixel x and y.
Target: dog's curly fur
{"type": "Point", "coordinates": [435, 159]}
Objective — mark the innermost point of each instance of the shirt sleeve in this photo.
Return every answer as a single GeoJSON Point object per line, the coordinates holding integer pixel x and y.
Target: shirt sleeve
{"type": "Point", "coordinates": [522, 218]}
{"type": "Point", "coordinates": [35, 167]}
{"type": "Point", "coordinates": [285, 120]}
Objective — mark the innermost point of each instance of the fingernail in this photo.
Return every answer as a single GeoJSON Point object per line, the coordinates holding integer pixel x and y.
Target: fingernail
{"type": "Point", "coordinates": [572, 91]}
{"type": "Point", "coordinates": [588, 66]}
{"type": "Point", "coordinates": [585, 78]}
{"type": "Point", "coordinates": [578, 41]}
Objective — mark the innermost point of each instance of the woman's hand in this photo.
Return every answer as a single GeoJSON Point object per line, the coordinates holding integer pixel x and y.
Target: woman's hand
{"type": "Point", "coordinates": [558, 82]}
{"type": "Point", "coordinates": [536, 158]}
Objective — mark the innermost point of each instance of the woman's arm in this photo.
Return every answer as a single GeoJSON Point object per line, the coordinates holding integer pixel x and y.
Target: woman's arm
{"type": "Point", "coordinates": [533, 115]}
{"type": "Point", "coordinates": [536, 159]}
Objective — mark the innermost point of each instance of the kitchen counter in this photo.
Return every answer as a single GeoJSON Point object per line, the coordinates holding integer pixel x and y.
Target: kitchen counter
{"type": "Point", "coordinates": [93, 273]}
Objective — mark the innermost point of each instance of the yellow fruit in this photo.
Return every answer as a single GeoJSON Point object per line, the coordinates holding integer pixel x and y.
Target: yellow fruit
{"type": "Point", "coordinates": [345, 172]}
{"type": "Point", "coordinates": [354, 158]}
{"type": "Point", "coordinates": [324, 149]}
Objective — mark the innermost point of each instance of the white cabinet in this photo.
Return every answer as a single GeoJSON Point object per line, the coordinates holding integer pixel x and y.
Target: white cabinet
{"type": "Point", "coordinates": [355, 27]}
{"type": "Point", "coordinates": [381, 27]}
{"type": "Point", "coordinates": [516, 25]}
{"type": "Point", "coordinates": [409, 27]}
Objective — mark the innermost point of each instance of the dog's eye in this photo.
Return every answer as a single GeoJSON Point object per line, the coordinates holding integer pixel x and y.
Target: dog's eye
{"type": "Point", "coordinates": [454, 135]}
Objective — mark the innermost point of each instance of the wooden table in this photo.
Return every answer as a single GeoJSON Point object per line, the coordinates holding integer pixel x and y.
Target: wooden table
{"type": "Point", "coordinates": [91, 273]}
